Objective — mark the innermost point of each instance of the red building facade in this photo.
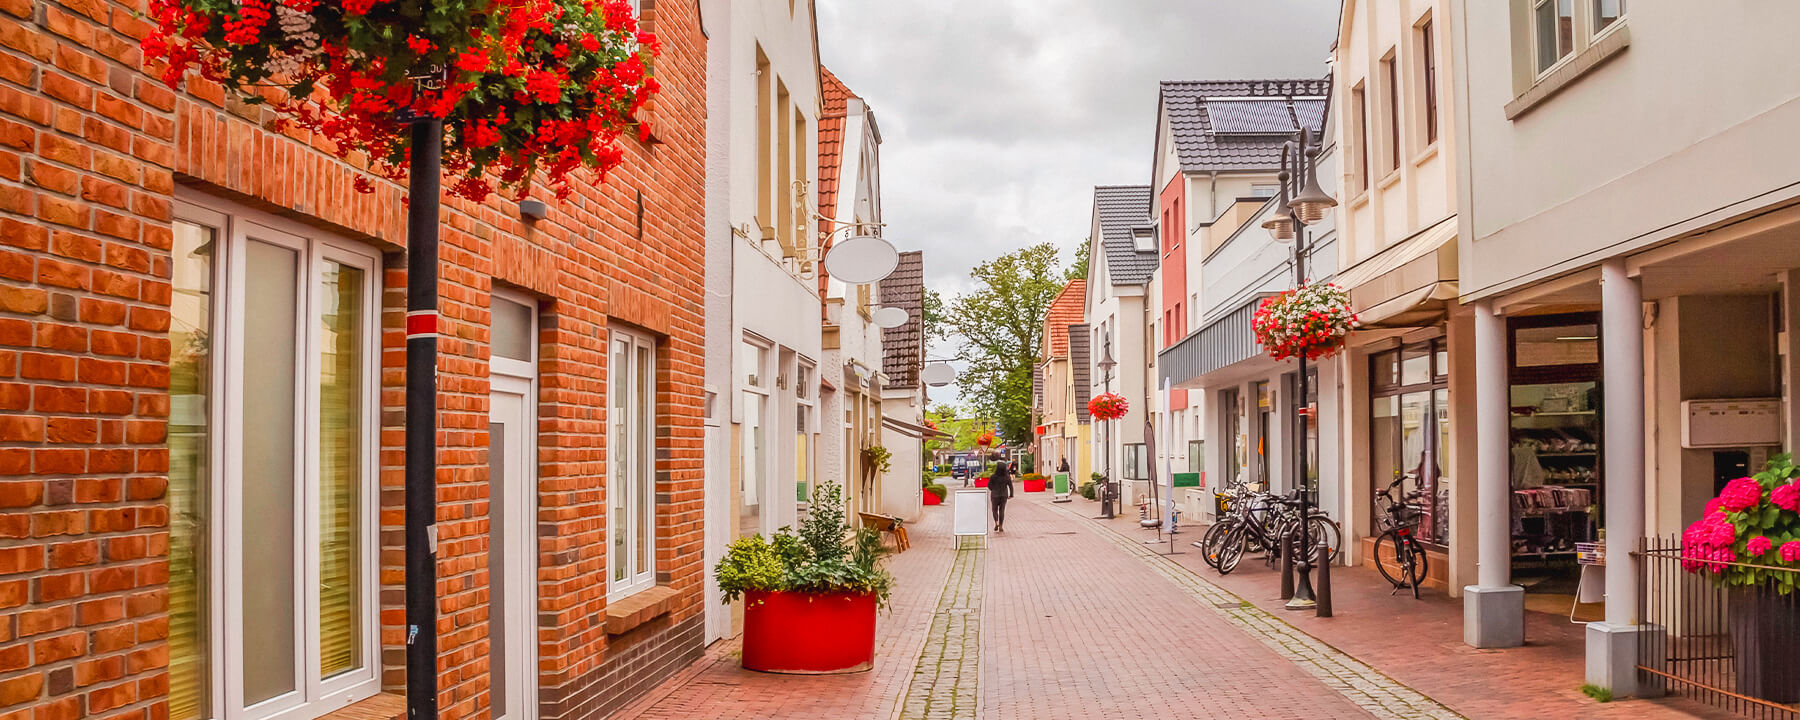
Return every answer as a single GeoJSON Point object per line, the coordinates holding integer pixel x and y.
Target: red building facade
{"type": "Point", "coordinates": [201, 356]}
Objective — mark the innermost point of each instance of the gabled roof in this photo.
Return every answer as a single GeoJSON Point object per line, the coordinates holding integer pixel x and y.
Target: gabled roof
{"type": "Point", "coordinates": [903, 348]}
{"type": "Point", "coordinates": [1065, 310]}
{"type": "Point", "coordinates": [1078, 359]}
{"type": "Point", "coordinates": [1229, 125]}
{"type": "Point", "coordinates": [1118, 209]}
{"type": "Point", "coordinates": [831, 139]}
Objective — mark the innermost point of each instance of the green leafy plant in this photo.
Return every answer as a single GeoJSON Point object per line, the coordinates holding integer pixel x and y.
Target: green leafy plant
{"type": "Point", "coordinates": [824, 556]}
{"type": "Point", "coordinates": [877, 458]}
{"type": "Point", "coordinates": [1599, 694]}
{"type": "Point", "coordinates": [939, 490]}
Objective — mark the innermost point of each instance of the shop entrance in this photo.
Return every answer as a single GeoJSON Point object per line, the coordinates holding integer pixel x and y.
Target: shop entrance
{"type": "Point", "coordinates": [1556, 448]}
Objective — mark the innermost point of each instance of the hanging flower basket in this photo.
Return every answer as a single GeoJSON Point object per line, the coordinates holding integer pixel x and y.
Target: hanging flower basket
{"type": "Point", "coordinates": [1309, 321]}
{"type": "Point", "coordinates": [986, 439]}
{"type": "Point", "coordinates": [1108, 406]}
{"type": "Point", "coordinates": [523, 86]}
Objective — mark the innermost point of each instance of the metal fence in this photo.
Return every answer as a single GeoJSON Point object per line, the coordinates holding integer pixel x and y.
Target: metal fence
{"type": "Point", "coordinates": [1731, 648]}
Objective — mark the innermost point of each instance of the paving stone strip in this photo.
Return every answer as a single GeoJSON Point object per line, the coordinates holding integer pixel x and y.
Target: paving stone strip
{"type": "Point", "coordinates": [945, 680]}
{"type": "Point", "coordinates": [1363, 685]}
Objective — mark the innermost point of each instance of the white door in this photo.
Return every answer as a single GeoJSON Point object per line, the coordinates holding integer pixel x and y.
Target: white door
{"type": "Point", "coordinates": [512, 548]}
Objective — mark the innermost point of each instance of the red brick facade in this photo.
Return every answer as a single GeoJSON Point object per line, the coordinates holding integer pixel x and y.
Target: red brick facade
{"type": "Point", "coordinates": [91, 151]}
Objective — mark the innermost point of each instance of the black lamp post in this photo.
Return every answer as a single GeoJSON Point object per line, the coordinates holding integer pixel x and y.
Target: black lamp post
{"type": "Point", "coordinates": [1107, 494]}
{"type": "Point", "coordinates": [1300, 206]}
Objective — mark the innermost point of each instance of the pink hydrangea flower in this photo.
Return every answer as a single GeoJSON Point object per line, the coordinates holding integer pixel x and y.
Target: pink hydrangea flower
{"type": "Point", "coordinates": [1721, 556]}
{"type": "Point", "coordinates": [1786, 497]}
{"type": "Point", "coordinates": [1719, 531]}
{"type": "Point", "coordinates": [1740, 494]}
{"type": "Point", "coordinates": [1758, 546]}
{"type": "Point", "coordinates": [1712, 506]}
{"type": "Point", "coordinates": [1790, 551]}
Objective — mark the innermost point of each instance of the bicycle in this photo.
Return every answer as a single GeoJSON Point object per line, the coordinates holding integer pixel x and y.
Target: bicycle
{"type": "Point", "coordinates": [1400, 518]}
{"type": "Point", "coordinates": [1257, 523]}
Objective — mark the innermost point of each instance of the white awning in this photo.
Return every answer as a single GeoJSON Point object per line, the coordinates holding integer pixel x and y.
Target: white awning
{"type": "Point", "coordinates": [910, 430]}
{"type": "Point", "coordinates": [1408, 284]}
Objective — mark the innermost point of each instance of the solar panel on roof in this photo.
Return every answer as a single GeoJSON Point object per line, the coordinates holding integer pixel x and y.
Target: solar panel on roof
{"type": "Point", "coordinates": [1249, 117]}
{"type": "Point", "coordinates": [1311, 112]}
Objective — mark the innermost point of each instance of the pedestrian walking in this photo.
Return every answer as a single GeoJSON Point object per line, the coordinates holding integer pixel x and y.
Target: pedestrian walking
{"type": "Point", "coordinates": [1063, 467]}
{"type": "Point", "coordinates": [1000, 490]}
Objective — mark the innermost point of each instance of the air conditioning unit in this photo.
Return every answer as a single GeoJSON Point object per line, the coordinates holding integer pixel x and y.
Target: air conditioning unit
{"type": "Point", "coordinates": [1745, 422]}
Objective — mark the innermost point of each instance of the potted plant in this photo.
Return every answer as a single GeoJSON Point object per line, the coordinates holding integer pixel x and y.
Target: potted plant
{"type": "Point", "coordinates": [810, 597]}
{"type": "Point", "coordinates": [1309, 321]}
{"type": "Point", "coordinates": [935, 494]}
{"type": "Point", "coordinates": [1033, 482]}
{"type": "Point", "coordinates": [1748, 541]}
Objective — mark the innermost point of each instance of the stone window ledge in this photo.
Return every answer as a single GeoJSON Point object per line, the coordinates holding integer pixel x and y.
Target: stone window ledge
{"type": "Point", "coordinates": [627, 613]}
{"type": "Point", "coordinates": [1605, 48]}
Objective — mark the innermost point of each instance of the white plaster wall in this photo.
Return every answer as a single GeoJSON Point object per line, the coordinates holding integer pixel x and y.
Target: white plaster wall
{"type": "Point", "coordinates": [1696, 115]}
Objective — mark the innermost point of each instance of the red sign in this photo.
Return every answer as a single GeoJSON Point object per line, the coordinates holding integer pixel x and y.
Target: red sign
{"type": "Point", "coordinates": [1043, 429]}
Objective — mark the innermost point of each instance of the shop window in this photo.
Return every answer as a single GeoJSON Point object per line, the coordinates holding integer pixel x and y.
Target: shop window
{"type": "Point", "coordinates": [1409, 431]}
{"type": "Point", "coordinates": [631, 462]}
{"type": "Point", "coordinates": [754, 430]}
{"type": "Point", "coordinates": [803, 433]}
{"type": "Point", "coordinates": [273, 395]}
{"type": "Point", "coordinates": [1137, 462]}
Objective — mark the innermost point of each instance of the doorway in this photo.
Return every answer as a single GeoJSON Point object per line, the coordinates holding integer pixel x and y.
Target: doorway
{"type": "Point", "coordinates": [512, 511]}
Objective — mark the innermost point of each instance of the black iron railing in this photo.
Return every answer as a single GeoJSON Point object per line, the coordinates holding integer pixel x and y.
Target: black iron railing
{"type": "Point", "coordinates": [1732, 648]}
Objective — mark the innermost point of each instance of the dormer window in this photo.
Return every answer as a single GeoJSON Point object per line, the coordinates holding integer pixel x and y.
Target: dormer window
{"type": "Point", "coordinates": [1144, 237]}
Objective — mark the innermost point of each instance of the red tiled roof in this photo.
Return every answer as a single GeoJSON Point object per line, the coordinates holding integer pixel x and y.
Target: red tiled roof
{"type": "Point", "coordinates": [831, 140]}
{"type": "Point", "coordinates": [1067, 309]}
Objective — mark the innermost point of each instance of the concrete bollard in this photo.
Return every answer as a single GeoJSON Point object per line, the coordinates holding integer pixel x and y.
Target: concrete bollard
{"type": "Point", "coordinates": [1322, 587]}
{"type": "Point", "coordinates": [1287, 566]}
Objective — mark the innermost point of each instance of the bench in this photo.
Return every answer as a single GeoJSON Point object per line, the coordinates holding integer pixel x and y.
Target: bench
{"type": "Point", "coordinates": [888, 525]}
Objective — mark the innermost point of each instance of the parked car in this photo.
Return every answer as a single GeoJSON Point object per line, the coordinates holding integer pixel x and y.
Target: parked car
{"type": "Point", "coordinates": [960, 467]}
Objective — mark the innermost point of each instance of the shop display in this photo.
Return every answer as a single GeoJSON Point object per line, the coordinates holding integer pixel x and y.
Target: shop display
{"type": "Point", "coordinates": [1555, 467]}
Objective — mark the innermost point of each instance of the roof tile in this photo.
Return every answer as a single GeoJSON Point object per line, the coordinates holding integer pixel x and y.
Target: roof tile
{"type": "Point", "coordinates": [1120, 208]}
{"type": "Point", "coordinates": [1202, 149]}
{"type": "Point", "coordinates": [903, 348]}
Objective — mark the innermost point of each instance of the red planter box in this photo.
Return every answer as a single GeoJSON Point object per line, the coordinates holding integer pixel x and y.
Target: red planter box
{"type": "Point", "coordinates": [808, 634]}
{"type": "Point", "coordinates": [1033, 485]}
{"type": "Point", "coordinates": [931, 498]}
{"type": "Point", "coordinates": [981, 482]}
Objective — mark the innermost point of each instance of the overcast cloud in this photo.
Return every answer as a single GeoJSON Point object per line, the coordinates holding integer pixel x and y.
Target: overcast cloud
{"type": "Point", "coordinates": [999, 116]}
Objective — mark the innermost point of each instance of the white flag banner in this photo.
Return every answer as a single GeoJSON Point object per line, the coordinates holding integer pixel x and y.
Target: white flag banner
{"type": "Point", "coordinates": [1168, 476]}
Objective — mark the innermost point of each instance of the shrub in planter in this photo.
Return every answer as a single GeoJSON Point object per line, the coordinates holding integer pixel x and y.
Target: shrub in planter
{"type": "Point", "coordinates": [810, 596]}
{"type": "Point", "coordinates": [1033, 482]}
{"type": "Point", "coordinates": [935, 494]}
{"type": "Point", "coordinates": [1748, 540]}
{"type": "Point", "coordinates": [1088, 489]}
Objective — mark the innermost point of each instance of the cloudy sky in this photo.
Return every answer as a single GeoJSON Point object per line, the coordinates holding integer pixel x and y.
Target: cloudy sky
{"type": "Point", "coordinates": [999, 116]}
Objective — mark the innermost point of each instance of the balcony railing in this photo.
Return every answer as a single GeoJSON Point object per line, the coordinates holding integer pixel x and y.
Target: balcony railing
{"type": "Point", "coordinates": [1732, 648]}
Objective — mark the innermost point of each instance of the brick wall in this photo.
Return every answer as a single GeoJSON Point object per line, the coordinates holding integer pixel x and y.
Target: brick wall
{"type": "Point", "coordinates": [91, 151]}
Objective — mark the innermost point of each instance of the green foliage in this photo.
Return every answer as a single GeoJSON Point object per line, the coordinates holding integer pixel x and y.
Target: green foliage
{"type": "Point", "coordinates": [934, 320]}
{"type": "Point", "coordinates": [1599, 694]}
{"type": "Point", "coordinates": [1078, 268]}
{"type": "Point", "coordinates": [824, 556]}
{"type": "Point", "coordinates": [1000, 329]}
{"type": "Point", "coordinates": [877, 458]}
{"type": "Point", "coordinates": [1763, 519]}
{"type": "Point", "coordinates": [1088, 489]}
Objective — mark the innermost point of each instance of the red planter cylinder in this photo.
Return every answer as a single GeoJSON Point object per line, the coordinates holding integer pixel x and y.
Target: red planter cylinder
{"type": "Point", "coordinates": [932, 498]}
{"type": "Point", "coordinates": [808, 633]}
{"type": "Point", "coordinates": [1034, 485]}
{"type": "Point", "coordinates": [981, 482]}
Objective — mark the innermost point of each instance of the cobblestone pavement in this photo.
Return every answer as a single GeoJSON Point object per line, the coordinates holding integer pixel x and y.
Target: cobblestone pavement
{"type": "Point", "coordinates": [945, 680]}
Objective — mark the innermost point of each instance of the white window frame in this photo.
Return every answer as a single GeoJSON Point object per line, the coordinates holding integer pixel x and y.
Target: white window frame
{"type": "Point", "coordinates": [805, 374]}
{"type": "Point", "coordinates": [1575, 36]}
{"type": "Point", "coordinates": [1593, 13]}
{"type": "Point", "coordinates": [640, 453]}
{"type": "Point", "coordinates": [314, 695]}
{"type": "Point", "coordinates": [760, 354]}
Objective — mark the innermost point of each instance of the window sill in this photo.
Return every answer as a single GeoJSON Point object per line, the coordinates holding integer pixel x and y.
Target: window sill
{"type": "Point", "coordinates": [384, 706]}
{"type": "Point", "coordinates": [1603, 48]}
{"type": "Point", "coordinates": [1388, 180]}
{"type": "Point", "coordinates": [629, 612]}
{"type": "Point", "coordinates": [1428, 153]}
{"type": "Point", "coordinates": [1361, 199]}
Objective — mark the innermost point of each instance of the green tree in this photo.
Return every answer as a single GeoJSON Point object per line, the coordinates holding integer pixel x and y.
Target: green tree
{"type": "Point", "coordinates": [936, 325]}
{"type": "Point", "coordinates": [999, 328]}
{"type": "Point", "coordinates": [1078, 268]}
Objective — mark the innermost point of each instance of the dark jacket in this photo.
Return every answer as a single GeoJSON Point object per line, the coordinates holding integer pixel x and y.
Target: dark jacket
{"type": "Point", "coordinates": [1001, 483]}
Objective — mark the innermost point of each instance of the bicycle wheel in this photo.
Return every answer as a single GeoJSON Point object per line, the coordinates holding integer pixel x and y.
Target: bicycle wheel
{"type": "Point", "coordinates": [1231, 550]}
{"type": "Point", "coordinates": [1387, 551]}
{"type": "Point", "coordinates": [1214, 536]}
{"type": "Point", "coordinates": [1325, 532]}
{"type": "Point", "coordinates": [1415, 568]}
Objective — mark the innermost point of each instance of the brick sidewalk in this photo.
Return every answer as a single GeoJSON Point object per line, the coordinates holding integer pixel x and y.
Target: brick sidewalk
{"type": "Point", "coordinates": [716, 687]}
{"type": "Point", "coordinates": [1542, 679]}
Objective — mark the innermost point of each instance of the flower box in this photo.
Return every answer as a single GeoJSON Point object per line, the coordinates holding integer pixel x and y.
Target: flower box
{"type": "Point", "coordinates": [981, 482]}
{"type": "Point", "coordinates": [932, 498]}
{"type": "Point", "coordinates": [1033, 485]}
{"type": "Point", "coordinates": [809, 633]}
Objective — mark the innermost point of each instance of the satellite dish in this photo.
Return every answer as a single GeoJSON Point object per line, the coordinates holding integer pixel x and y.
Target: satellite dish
{"type": "Point", "coordinates": [938, 374]}
{"type": "Point", "coordinates": [890, 317]}
{"type": "Point", "coordinates": [861, 260]}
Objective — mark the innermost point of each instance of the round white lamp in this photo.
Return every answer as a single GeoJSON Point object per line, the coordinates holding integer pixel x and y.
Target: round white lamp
{"type": "Point", "coordinates": [861, 260]}
{"type": "Point", "coordinates": [890, 317]}
{"type": "Point", "coordinates": [938, 374]}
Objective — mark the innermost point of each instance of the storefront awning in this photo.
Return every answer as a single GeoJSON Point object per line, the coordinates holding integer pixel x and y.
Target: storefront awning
{"type": "Point", "coordinates": [910, 430]}
{"type": "Point", "coordinates": [1409, 284]}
